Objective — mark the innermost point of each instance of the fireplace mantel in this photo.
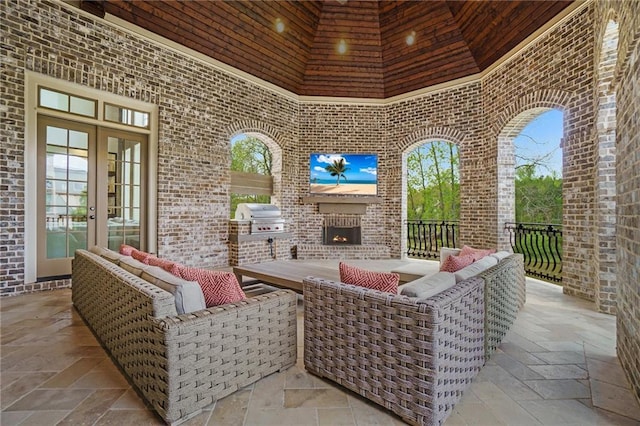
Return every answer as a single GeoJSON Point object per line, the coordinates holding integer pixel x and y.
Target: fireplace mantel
{"type": "Point", "coordinates": [341, 200]}
{"type": "Point", "coordinates": [346, 205]}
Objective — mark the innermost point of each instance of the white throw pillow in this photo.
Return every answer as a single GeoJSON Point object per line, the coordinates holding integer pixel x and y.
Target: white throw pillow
{"type": "Point", "coordinates": [188, 294]}
{"type": "Point", "coordinates": [475, 268]}
{"type": "Point", "coordinates": [426, 287]}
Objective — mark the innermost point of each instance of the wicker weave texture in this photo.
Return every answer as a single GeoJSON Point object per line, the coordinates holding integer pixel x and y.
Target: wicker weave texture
{"type": "Point", "coordinates": [412, 357]}
{"type": "Point", "coordinates": [505, 294]}
{"type": "Point", "coordinates": [182, 363]}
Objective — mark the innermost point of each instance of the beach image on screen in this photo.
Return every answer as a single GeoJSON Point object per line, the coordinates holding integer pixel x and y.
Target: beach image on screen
{"type": "Point", "coordinates": [347, 174]}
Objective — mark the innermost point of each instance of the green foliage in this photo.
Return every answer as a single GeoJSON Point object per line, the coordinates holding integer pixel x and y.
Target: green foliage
{"type": "Point", "coordinates": [433, 182]}
{"type": "Point", "coordinates": [337, 169]}
{"type": "Point", "coordinates": [251, 155]}
{"type": "Point", "coordinates": [538, 198]}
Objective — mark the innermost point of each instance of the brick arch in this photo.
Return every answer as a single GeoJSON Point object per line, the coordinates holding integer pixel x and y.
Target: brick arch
{"type": "Point", "coordinates": [273, 139]}
{"type": "Point", "coordinates": [256, 126]}
{"type": "Point", "coordinates": [449, 134]}
{"type": "Point", "coordinates": [510, 119]}
{"type": "Point", "coordinates": [408, 144]}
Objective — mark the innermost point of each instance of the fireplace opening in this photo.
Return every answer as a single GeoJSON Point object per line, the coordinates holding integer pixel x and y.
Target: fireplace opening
{"type": "Point", "coordinates": [342, 230]}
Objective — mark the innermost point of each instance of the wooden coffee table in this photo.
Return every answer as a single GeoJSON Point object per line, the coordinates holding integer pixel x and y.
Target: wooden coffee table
{"type": "Point", "coordinates": [286, 273]}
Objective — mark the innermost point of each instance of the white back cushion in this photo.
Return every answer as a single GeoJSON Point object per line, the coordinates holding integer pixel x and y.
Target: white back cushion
{"type": "Point", "coordinates": [475, 268]}
{"type": "Point", "coordinates": [188, 294]}
{"type": "Point", "coordinates": [428, 286]}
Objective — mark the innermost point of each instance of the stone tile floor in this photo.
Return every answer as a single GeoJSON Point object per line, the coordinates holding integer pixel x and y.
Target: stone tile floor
{"type": "Point", "coordinates": [557, 366]}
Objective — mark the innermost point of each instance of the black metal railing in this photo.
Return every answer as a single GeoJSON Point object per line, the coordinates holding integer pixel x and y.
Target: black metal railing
{"type": "Point", "coordinates": [541, 246]}
{"type": "Point", "coordinates": [426, 237]}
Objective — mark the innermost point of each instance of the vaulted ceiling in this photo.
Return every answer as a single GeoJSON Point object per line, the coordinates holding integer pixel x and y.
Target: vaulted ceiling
{"type": "Point", "coordinates": [451, 39]}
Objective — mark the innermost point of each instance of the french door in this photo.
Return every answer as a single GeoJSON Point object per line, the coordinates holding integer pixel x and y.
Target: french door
{"type": "Point", "coordinates": [91, 184]}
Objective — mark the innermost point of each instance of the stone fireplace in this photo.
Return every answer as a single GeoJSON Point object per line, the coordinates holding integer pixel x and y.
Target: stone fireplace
{"type": "Point", "coordinates": [341, 230]}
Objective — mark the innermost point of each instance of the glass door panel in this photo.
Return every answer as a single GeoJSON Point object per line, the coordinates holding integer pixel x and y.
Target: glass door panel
{"type": "Point", "coordinates": [64, 152]}
{"type": "Point", "coordinates": [125, 191]}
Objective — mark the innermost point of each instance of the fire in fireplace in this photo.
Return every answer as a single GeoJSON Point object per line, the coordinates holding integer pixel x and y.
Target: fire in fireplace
{"type": "Point", "coordinates": [340, 230]}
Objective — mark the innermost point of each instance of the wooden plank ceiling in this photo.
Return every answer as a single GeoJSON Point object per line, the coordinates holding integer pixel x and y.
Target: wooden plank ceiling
{"type": "Point", "coordinates": [453, 39]}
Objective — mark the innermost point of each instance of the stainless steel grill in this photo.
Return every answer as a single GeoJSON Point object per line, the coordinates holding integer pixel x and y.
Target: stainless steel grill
{"type": "Point", "coordinates": [264, 218]}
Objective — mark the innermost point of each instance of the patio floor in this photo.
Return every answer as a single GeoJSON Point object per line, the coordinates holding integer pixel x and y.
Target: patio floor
{"type": "Point", "coordinates": [557, 366]}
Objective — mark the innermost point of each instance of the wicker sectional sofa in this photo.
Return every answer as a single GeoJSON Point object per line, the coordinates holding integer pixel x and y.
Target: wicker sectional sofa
{"type": "Point", "coordinates": [182, 363]}
{"type": "Point", "coordinates": [413, 356]}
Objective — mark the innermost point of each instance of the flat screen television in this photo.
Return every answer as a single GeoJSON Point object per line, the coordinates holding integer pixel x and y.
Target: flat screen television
{"type": "Point", "coordinates": [343, 174]}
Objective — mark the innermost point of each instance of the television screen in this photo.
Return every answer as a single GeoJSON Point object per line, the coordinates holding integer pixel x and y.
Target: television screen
{"type": "Point", "coordinates": [346, 174]}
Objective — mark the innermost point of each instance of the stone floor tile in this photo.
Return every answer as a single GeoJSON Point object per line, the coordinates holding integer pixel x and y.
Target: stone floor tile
{"type": "Point", "coordinates": [562, 357]}
{"type": "Point", "coordinates": [560, 412]}
{"type": "Point", "coordinates": [281, 417]}
{"type": "Point", "coordinates": [129, 417]}
{"type": "Point", "coordinates": [92, 408]}
{"type": "Point", "coordinates": [319, 398]}
{"type": "Point", "coordinates": [336, 417]}
{"type": "Point", "coordinates": [561, 371]}
{"type": "Point", "coordinates": [515, 367]}
{"type": "Point", "coordinates": [562, 346]}
{"type": "Point", "coordinates": [607, 372]}
{"type": "Point", "coordinates": [19, 388]}
{"type": "Point", "coordinates": [559, 389]}
{"type": "Point", "coordinates": [231, 410]}
{"type": "Point", "coordinates": [476, 414]}
{"type": "Point", "coordinates": [13, 417]}
{"type": "Point", "coordinates": [69, 375]}
{"type": "Point", "coordinates": [129, 401]}
{"type": "Point", "coordinates": [507, 383]}
{"type": "Point", "coordinates": [615, 399]}
{"type": "Point", "coordinates": [44, 418]}
{"type": "Point", "coordinates": [50, 399]}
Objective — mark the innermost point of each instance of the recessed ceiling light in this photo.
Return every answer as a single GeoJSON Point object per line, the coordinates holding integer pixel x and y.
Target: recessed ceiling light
{"type": "Point", "coordinates": [279, 25]}
{"type": "Point", "coordinates": [411, 38]}
{"type": "Point", "coordinates": [342, 47]}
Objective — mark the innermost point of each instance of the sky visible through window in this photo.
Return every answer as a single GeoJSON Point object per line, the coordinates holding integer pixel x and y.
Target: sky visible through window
{"type": "Point", "coordinates": [541, 139]}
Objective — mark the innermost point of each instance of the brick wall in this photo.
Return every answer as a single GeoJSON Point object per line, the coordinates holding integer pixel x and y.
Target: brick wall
{"type": "Point", "coordinates": [626, 85]}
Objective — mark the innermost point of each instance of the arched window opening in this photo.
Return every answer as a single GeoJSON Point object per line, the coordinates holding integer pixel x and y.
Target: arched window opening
{"type": "Point", "coordinates": [251, 171]}
{"type": "Point", "coordinates": [433, 198]}
{"type": "Point", "coordinates": [531, 170]}
{"type": "Point", "coordinates": [538, 170]}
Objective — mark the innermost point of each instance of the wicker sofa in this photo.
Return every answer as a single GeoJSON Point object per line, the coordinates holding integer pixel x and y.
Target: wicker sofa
{"type": "Point", "coordinates": [412, 356]}
{"type": "Point", "coordinates": [182, 363]}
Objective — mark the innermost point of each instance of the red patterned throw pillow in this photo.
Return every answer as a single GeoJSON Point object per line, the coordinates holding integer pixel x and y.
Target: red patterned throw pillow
{"type": "Point", "coordinates": [140, 256]}
{"type": "Point", "coordinates": [476, 253]}
{"type": "Point", "coordinates": [218, 287]}
{"type": "Point", "coordinates": [455, 263]}
{"type": "Point", "coordinates": [165, 264]}
{"type": "Point", "coordinates": [383, 281]}
{"type": "Point", "coordinates": [126, 249]}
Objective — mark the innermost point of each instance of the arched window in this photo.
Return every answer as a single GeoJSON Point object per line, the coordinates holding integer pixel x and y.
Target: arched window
{"type": "Point", "coordinates": [433, 182]}
{"type": "Point", "coordinates": [538, 170]}
{"type": "Point", "coordinates": [251, 169]}
{"type": "Point", "coordinates": [432, 198]}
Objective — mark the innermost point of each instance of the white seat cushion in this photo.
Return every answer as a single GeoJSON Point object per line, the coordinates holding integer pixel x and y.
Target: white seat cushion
{"type": "Point", "coordinates": [105, 253]}
{"type": "Point", "coordinates": [129, 264]}
{"type": "Point", "coordinates": [427, 286]}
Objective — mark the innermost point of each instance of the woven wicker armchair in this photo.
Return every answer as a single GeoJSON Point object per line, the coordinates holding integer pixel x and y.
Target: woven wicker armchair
{"type": "Point", "coordinates": [182, 363]}
{"type": "Point", "coordinates": [413, 357]}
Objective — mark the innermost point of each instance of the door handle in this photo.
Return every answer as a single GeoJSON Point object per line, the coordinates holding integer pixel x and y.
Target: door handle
{"type": "Point", "coordinates": [93, 216]}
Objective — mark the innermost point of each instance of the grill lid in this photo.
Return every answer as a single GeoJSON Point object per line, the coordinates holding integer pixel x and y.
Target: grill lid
{"type": "Point", "coordinates": [253, 211]}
